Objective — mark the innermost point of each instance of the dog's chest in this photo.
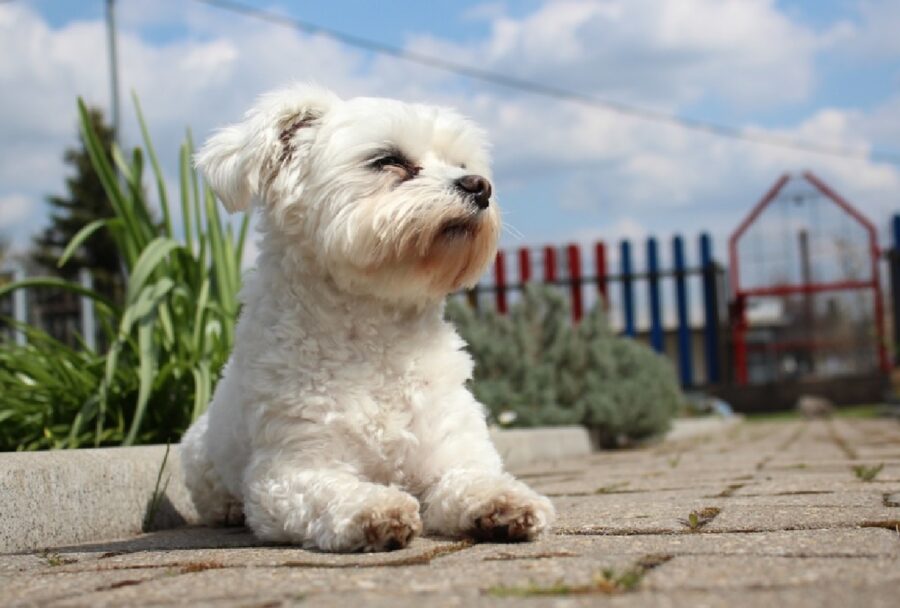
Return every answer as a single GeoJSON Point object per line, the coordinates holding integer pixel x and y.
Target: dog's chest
{"type": "Point", "coordinates": [403, 389]}
{"type": "Point", "coordinates": [394, 401]}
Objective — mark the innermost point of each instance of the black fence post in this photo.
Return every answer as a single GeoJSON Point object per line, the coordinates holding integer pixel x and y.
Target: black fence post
{"type": "Point", "coordinates": [894, 263]}
{"type": "Point", "coordinates": [710, 310]}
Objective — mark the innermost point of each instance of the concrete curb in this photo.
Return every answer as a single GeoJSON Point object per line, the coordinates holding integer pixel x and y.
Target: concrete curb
{"type": "Point", "coordinates": [73, 496]}
{"type": "Point", "coordinates": [691, 428]}
{"type": "Point", "coordinates": [51, 499]}
{"type": "Point", "coordinates": [519, 447]}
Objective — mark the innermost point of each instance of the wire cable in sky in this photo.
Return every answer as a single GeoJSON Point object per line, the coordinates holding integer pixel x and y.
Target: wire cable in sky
{"type": "Point", "coordinates": [548, 90]}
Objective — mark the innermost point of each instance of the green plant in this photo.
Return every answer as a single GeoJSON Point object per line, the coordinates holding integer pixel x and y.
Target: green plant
{"type": "Point", "coordinates": [45, 384]}
{"type": "Point", "coordinates": [697, 519]}
{"type": "Point", "coordinates": [158, 494]}
{"type": "Point", "coordinates": [55, 559]}
{"type": "Point", "coordinates": [613, 488]}
{"type": "Point", "coordinates": [613, 581]}
{"type": "Point", "coordinates": [535, 363]}
{"type": "Point", "coordinates": [169, 338]}
{"type": "Point", "coordinates": [608, 581]}
{"type": "Point", "coordinates": [864, 473]}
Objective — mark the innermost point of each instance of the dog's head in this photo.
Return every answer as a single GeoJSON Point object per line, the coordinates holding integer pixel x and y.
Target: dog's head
{"type": "Point", "coordinates": [388, 198]}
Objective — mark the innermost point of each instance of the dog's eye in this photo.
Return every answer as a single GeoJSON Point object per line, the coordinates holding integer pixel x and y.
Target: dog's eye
{"type": "Point", "coordinates": [394, 160]}
{"type": "Point", "coordinates": [397, 163]}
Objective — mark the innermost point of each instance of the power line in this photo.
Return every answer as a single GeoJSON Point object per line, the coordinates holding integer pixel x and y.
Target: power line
{"type": "Point", "coordinates": [546, 90]}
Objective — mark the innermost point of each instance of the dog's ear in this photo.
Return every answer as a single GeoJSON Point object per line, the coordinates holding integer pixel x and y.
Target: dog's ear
{"type": "Point", "coordinates": [232, 161]}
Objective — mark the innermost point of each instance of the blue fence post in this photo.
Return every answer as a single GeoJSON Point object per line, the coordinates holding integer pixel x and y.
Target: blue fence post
{"type": "Point", "coordinates": [710, 310]}
{"type": "Point", "coordinates": [627, 287]}
{"type": "Point", "coordinates": [894, 261]}
{"type": "Point", "coordinates": [656, 330]}
{"type": "Point", "coordinates": [685, 360]}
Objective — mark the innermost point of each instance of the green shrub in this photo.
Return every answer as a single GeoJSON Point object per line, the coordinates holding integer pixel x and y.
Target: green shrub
{"type": "Point", "coordinates": [167, 342]}
{"type": "Point", "coordinates": [535, 363]}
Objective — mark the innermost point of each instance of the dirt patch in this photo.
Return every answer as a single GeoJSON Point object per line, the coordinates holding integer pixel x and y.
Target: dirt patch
{"type": "Point", "coordinates": [120, 584]}
{"type": "Point", "coordinates": [887, 524]}
{"type": "Point", "coordinates": [505, 557]}
{"type": "Point", "coordinates": [728, 491]}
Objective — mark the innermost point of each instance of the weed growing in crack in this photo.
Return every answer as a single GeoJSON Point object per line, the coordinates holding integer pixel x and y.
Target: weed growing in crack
{"type": "Point", "coordinates": [864, 473]}
{"type": "Point", "coordinates": [611, 488]}
{"type": "Point", "coordinates": [730, 490]}
{"type": "Point", "coordinates": [157, 496]}
{"type": "Point", "coordinates": [608, 581]}
{"type": "Point", "coordinates": [558, 588]}
{"type": "Point", "coordinates": [55, 559]}
{"type": "Point", "coordinates": [697, 519]}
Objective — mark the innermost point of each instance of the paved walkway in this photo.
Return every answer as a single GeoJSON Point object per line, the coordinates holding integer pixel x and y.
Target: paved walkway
{"type": "Point", "coordinates": [765, 515]}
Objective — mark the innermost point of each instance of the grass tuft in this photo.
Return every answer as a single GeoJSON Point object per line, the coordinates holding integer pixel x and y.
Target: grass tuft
{"type": "Point", "coordinates": [608, 581]}
{"type": "Point", "coordinates": [697, 519]}
{"type": "Point", "coordinates": [864, 473]}
{"type": "Point", "coordinates": [612, 488]}
{"type": "Point", "coordinates": [55, 559]}
{"type": "Point", "coordinates": [158, 494]}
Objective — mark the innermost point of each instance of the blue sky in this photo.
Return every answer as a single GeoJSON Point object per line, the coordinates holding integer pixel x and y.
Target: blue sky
{"type": "Point", "coordinates": [825, 71]}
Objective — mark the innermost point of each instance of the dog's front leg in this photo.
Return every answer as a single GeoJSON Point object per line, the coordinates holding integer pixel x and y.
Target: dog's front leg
{"type": "Point", "coordinates": [467, 492]}
{"type": "Point", "coordinates": [328, 508]}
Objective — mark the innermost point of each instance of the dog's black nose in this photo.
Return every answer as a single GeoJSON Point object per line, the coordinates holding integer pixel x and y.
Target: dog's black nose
{"type": "Point", "coordinates": [478, 187]}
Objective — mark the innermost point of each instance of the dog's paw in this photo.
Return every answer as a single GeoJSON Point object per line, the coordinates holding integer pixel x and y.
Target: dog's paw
{"type": "Point", "coordinates": [510, 516]}
{"type": "Point", "coordinates": [390, 529]}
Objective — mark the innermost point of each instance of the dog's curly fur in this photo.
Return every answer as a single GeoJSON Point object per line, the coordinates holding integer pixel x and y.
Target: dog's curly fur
{"type": "Point", "coordinates": [342, 421]}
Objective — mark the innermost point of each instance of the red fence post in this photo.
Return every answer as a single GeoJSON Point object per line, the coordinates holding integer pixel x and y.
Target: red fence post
{"type": "Point", "coordinates": [600, 263]}
{"type": "Point", "coordinates": [524, 265]}
{"type": "Point", "coordinates": [549, 264]}
{"type": "Point", "coordinates": [573, 253]}
{"type": "Point", "coordinates": [500, 281]}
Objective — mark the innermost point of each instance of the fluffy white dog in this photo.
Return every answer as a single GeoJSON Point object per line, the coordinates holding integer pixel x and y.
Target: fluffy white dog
{"type": "Point", "coordinates": [342, 421]}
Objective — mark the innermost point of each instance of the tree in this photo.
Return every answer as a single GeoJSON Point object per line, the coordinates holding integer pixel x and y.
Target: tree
{"type": "Point", "coordinates": [85, 202]}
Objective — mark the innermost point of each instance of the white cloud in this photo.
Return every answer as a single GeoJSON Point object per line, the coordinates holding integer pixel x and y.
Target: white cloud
{"type": "Point", "coordinates": [560, 167]}
{"type": "Point", "coordinates": [13, 209]}
{"type": "Point", "coordinates": [661, 53]}
{"type": "Point", "coordinates": [874, 33]}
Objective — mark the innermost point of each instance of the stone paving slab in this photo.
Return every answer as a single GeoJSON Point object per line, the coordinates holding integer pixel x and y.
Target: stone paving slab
{"type": "Point", "coordinates": [741, 572]}
{"type": "Point", "coordinates": [769, 533]}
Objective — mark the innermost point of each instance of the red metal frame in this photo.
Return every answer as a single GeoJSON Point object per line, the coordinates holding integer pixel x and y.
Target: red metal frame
{"type": "Point", "coordinates": [600, 263]}
{"type": "Point", "coordinates": [573, 253]}
{"type": "Point", "coordinates": [549, 264]}
{"type": "Point", "coordinates": [524, 265]}
{"type": "Point", "coordinates": [739, 295]}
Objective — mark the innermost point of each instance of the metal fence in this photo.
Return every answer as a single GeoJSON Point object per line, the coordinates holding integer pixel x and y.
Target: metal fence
{"type": "Point", "coordinates": [683, 306]}
{"type": "Point", "coordinates": [691, 293]}
{"type": "Point", "coordinates": [62, 314]}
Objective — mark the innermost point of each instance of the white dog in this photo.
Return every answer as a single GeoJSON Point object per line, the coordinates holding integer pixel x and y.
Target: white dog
{"type": "Point", "coordinates": [342, 421]}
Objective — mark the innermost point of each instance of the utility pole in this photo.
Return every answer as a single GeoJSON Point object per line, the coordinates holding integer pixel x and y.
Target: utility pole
{"type": "Point", "coordinates": [113, 69]}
